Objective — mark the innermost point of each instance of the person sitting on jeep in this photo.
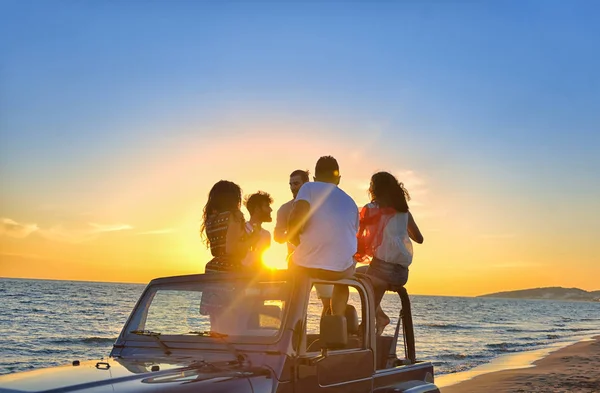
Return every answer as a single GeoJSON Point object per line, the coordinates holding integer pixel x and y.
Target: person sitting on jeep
{"type": "Point", "coordinates": [323, 225]}
{"type": "Point", "coordinates": [385, 233]}
{"type": "Point", "coordinates": [224, 228]}
{"type": "Point", "coordinates": [259, 207]}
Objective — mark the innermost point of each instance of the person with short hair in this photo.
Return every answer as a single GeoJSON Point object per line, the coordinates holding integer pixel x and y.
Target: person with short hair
{"type": "Point", "coordinates": [297, 179]}
{"type": "Point", "coordinates": [259, 207]}
{"type": "Point", "coordinates": [323, 225]}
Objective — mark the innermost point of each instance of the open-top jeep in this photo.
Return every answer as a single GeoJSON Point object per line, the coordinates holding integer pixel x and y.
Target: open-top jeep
{"type": "Point", "coordinates": [227, 332]}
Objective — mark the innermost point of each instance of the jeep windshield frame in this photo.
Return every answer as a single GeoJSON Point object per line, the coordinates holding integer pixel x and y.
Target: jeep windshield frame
{"type": "Point", "coordinates": [221, 308]}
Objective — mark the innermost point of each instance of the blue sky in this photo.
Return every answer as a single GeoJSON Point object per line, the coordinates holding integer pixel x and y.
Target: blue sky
{"type": "Point", "coordinates": [517, 78]}
{"type": "Point", "coordinates": [493, 103]}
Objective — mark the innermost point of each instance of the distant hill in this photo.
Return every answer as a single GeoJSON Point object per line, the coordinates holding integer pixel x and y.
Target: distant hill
{"type": "Point", "coordinates": [552, 293]}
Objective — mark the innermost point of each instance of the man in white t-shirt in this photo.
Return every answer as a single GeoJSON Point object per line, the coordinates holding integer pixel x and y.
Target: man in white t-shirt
{"type": "Point", "coordinates": [323, 224]}
{"type": "Point", "coordinates": [259, 207]}
{"type": "Point", "coordinates": [280, 234]}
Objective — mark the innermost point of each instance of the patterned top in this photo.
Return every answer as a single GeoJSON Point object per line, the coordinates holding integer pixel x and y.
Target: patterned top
{"type": "Point", "coordinates": [216, 230]}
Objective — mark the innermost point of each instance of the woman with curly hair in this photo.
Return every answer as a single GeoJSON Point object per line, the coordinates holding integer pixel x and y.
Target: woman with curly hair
{"type": "Point", "coordinates": [385, 232]}
{"type": "Point", "coordinates": [224, 228]}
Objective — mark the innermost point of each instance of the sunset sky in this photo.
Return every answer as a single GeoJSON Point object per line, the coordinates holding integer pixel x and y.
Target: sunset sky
{"type": "Point", "coordinates": [116, 117]}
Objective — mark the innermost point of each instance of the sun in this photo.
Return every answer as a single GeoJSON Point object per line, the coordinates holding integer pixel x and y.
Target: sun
{"type": "Point", "coordinates": [275, 257]}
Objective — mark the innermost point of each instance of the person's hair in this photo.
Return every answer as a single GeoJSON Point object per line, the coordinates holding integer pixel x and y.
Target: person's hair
{"type": "Point", "coordinates": [327, 168]}
{"type": "Point", "coordinates": [304, 175]}
{"type": "Point", "coordinates": [387, 191]}
{"type": "Point", "coordinates": [223, 196]}
{"type": "Point", "coordinates": [254, 201]}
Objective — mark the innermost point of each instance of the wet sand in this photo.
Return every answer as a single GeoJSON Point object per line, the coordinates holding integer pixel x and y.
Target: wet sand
{"type": "Point", "coordinates": [573, 369]}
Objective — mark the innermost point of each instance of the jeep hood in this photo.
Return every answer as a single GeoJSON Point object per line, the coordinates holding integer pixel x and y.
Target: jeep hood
{"type": "Point", "coordinates": [117, 375]}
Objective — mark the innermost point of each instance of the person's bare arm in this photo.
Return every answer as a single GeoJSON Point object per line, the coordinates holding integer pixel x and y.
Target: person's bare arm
{"type": "Point", "coordinates": [413, 230]}
{"type": "Point", "coordinates": [236, 244]}
{"type": "Point", "coordinates": [281, 225]}
{"type": "Point", "coordinates": [296, 220]}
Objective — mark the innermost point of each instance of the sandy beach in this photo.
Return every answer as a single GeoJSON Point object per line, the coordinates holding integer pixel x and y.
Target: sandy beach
{"type": "Point", "coordinates": [573, 369]}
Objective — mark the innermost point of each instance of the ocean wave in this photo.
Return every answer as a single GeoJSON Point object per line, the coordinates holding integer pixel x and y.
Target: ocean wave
{"type": "Point", "coordinates": [99, 340]}
{"type": "Point", "coordinates": [446, 368]}
{"type": "Point", "coordinates": [554, 330]}
{"type": "Point", "coordinates": [512, 347]}
{"type": "Point", "coordinates": [446, 326]}
{"type": "Point", "coordinates": [572, 330]}
{"type": "Point", "coordinates": [454, 356]}
{"type": "Point", "coordinates": [461, 356]}
{"type": "Point", "coordinates": [84, 340]}
{"type": "Point", "coordinates": [517, 330]}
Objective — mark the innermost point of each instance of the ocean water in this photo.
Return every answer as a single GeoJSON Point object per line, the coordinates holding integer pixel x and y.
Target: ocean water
{"type": "Point", "coordinates": [49, 323]}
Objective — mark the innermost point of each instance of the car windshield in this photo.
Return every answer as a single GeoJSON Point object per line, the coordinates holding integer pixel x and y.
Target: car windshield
{"type": "Point", "coordinates": [218, 309]}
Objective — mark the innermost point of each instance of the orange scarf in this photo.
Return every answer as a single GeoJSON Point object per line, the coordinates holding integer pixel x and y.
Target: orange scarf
{"type": "Point", "coordinates": [373, 220]}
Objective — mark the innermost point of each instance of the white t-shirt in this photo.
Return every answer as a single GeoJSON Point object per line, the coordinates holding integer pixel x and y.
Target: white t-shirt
{"type": "Point", "coordinates": [396, 246]}
{"type": "Point", "coordinates": [328, 240]}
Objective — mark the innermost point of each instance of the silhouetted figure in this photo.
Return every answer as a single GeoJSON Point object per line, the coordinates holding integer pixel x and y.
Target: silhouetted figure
{"type": "Point", "coordinates": [323, 226]}
{"type": "Point", "coordinates": [259, 207]}
{"type": "Point", "coordinates": [385, 233]}
{"type": "Point", "coordinates": [297, 179]}
{"type": "Point", "coordinates": [224, 228]}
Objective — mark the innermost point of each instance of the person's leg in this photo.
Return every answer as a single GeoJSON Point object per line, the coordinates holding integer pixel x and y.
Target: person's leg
{"type": "Point", "coordinates": [326, 306]}
{"type": "Point", "coordinates": [339, 300]}
{"type": "Point", "coordinates": [378, 277]}
{"type": "Point", "coordinates": [379, 314]}
{"type": "Point", "coordinates": [381, 319]}
{"type": "Point", "coordinates": [325, 292]}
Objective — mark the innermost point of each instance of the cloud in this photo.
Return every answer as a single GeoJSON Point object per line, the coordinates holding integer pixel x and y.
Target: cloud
{"type": "Point", "coordinates": [156, 231]}
{"type": "Point", "coordinates": [65, 234]}
{"type": "Point", "coordinates": [12, 228]}
{"type": "Point", "coordinates": [415, 184]}
{"type": "Point", "coordinates": [70, 233]}
{"type": "Point", "coordinates": [78, 233]}
{"type": "Point", "coordinates": [109, 227]}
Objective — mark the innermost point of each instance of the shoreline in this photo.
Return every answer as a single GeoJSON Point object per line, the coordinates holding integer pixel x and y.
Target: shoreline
{"type": "Point", "coordinates": [568, 366]}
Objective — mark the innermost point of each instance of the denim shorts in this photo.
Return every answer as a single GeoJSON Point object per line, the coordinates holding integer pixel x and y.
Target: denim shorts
{"type": "Point", "coordinates": [392, 273]}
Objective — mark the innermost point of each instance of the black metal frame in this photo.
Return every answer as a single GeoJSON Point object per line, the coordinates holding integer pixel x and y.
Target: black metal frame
{"type": "Point", "coordinates": [404, 319]}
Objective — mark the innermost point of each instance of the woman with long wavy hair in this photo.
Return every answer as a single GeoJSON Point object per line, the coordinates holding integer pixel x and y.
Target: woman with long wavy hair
{"type": "Point", "coordinates": [223, 228]}
{"type": "Point", "coordinates": [385, 232]}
